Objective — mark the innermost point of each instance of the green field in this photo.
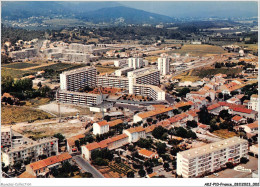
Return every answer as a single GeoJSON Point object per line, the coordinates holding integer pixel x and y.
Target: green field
{"type": "Point", "coordinates": [59, 67]}
{"type": "Point", "coordinates": [106, 69]}
{"type": "Point", "coordinates": [15, 73]}
{"type": "Point", "coordinates": [16, 114]}
{"type": "Point", "coordinates": [200, 50]}
{"type": "Point", "coordinates": [21, 65]}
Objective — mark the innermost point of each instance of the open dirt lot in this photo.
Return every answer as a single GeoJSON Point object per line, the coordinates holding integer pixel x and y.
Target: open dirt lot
{"type": "Point", "coordinates": [53, 107]}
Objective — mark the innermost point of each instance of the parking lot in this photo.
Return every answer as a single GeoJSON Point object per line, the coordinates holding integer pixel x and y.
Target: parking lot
{"type": "Point", "coordinates": [231, 173]}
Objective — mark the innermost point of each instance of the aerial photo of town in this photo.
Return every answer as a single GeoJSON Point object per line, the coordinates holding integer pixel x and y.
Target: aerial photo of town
{"type": "Point", "coordinates": [116, 90]}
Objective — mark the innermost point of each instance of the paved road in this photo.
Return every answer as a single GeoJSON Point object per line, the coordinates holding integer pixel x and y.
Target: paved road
{"type": "Point", "coordinates": [87, 167]}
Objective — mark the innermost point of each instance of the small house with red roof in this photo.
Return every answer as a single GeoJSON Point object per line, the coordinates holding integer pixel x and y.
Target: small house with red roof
{"type": "Point", "coordinates": [41, 168]}
{"type": "Point", "coordinates": [238, 119]}
{"type": "Point", "coordinates": [148, 154]}
{"type": "Point", "coordinates": [100, 127]}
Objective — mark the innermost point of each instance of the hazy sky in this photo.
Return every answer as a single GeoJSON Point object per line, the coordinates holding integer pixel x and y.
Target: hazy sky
{"type": "Point", "coordinates": [199, 8]}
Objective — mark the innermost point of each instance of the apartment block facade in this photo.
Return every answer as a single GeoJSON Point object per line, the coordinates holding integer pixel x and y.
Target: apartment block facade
{"type": "Point", "coordinates": [78, 98]}
{"type": "Point", "coordinates": [146, 76]}
{"type": "Point", "coordinates": [149, 90]}
{"type": "Point", "coordinates": [117, 82]}
{"type": "Point", "coordinates": [211, 157]}
{"type": "Point", "coordinates": [30, 149]}
{"type": "Point", "coordinates": [79, 78]}
{"type": "Point", "coordinates": [135, 63]}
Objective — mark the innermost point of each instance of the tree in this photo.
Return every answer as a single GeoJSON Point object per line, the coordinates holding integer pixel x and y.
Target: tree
{"type": "Point", "coordinates": [158, 132]}
{"type": "Point", "coordinates": [224, 114]}
{"type": "Point", "coordinates": [6, 83]}
{"type": "Point", "coordinates": [191, 134]}
{"type": "Point", "coordinates": [166, 165]}
{"type": "Point", "coordinates": [141, 173]}
{"type": "Point", "coordinates": [39, 84]}
{"type": "Point", "coordinates": [204, 115]}
{"type": "Point", "coordinates": [130, 174]}
{"type": "Point", "coordinates": [243, 160]}
{"type": "Point", "coordinates": [192, 124]}
{"type": "Point", "coordinates": [208, 98]}
{"type": "Point", "coordinates": [60, 137]}
{"type": "Point", "coordinates": [17, 165]}
{"type": "Point", "coordinates": [77, 144]}
{"type": "Point", "coordinates": [160, 148]}
{"type": "Point", "coordinates": [145, 143]}
{"type": "Point", "coordinates": [183, 92]}
{"type": "Point", "coordinates": [229, 165]}
{"type": "Point", "coordinates": [149, 170]}
{"type": "Point", "coordinates": [100, 162]}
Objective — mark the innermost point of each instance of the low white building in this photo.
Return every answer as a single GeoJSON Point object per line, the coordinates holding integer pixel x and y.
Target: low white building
{"type": "Point", "coordinates": [134, 134]}
{"type": "Point", "coordinates": [100, 127]}
{"type": "Point", "coordinates": [253, 104]}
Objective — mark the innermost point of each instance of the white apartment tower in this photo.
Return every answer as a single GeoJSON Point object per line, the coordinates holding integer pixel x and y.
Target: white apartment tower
{"type": "Point", "coordinates": [211, 157]}
{"type": "Point", "coordinates": [135, 63]}
{"type": "Point", "coordinates": [146, 76]}
{"type": "Point", "coordinates": [164, 65]}
{"type": "Point", "coordinates": [79, 78]}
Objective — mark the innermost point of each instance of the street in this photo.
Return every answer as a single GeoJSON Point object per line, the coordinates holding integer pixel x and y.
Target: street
{"type": "Point", "coordinates": [87, 167]}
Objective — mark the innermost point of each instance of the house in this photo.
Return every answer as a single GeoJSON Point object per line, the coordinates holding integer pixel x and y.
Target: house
{"type": "Point", "coordinates": [251, 128]}
{"type": "Point", "coordinates": [203, 126]}
{"type": "Point", "coordinates": [193, 114]}
{"type": "Point", "coordinates": [148, 154]}
{"type": "Point", "coordinates": [100, 127]}
{"type": "Point", "coordinates": [115, 122]}
{"type": "Point", "coordinates": [238, 119]}
{"type": "Point", "coordinates": [87, 150]}
{"type": "Point", "coordinates": [42, 168]}
{"type": "Point", "coordinates": [135, 133]}
{"type": "Point", "coordinates": [153, 113]}
{"type": "Point", "coordinates": [110, 143]}
{"type": "Point", "coordinates": [71, 147]}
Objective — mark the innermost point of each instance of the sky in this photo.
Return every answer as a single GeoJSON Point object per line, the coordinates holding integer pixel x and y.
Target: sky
{"type": "Point", "coordinates": [198, 8]}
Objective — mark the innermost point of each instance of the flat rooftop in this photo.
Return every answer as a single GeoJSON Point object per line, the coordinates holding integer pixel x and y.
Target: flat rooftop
{"type": "Point", "coordinates": [78, 93]}
{"type": "Point", "coordinates": [78, 70]}
{"type": "Point", "coordinates": [142, 71]}
{"type": "Point", "coordinates": [209, 148]}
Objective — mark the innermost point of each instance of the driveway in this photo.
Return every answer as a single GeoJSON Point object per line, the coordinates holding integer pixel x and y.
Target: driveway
{"type": "Point", "coordinates": [86, 166]}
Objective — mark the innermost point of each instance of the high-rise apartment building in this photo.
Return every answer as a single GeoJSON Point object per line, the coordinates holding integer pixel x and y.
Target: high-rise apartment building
{"type": "Point", "coordinates": [164, 65]}
{"type": "Point", "coordinates": [146, 76]}
{"type": "Point", "coordinates": [135, 63]}
{"type": "Point", "coordinates": [78, 78]}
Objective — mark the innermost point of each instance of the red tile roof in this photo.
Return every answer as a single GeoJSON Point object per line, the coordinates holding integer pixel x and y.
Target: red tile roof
{"type": "Point", "coordinates": [115, 122]}
{"type": "Point", "coordinates": [71, 140]}
{"type": "Point", "coordinates": [102, 123]}
{"type": "Point", "coordinates": [216, 105]}
{"type": "Point", "coordinates": [38, 165]}
{"type": "Point", "coordinates": [92, 146]}
{"type": "Point", "coordinates": [154, 112]}
{"type": "Point", "coordinates": [237, 118]}
{"type": "Point", "coordinates": [253, 125]}
{"type": "Point", "coordinates": [50, 161]}
{"type": "Point", "coordinates": [146, 152]}
{"type": "Point", "coordinates": [135, 129]}
{"type": "Point", "coordinates": [203, 126]}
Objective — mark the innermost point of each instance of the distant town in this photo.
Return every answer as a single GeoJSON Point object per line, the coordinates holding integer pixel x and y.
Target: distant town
{"type": "Point", "coordinates": [153, 102]}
